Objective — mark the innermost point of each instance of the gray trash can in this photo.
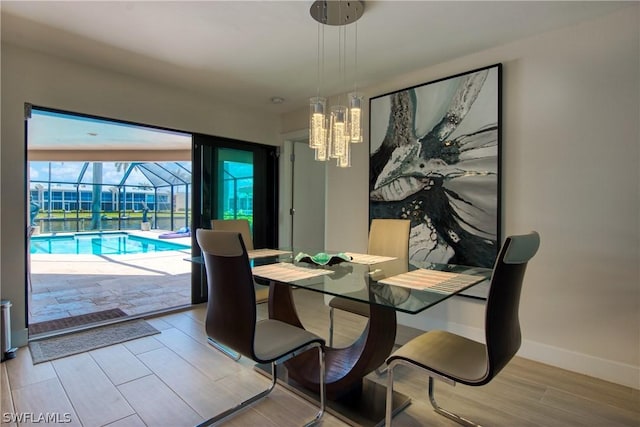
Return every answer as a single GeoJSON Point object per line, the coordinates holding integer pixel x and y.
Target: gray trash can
{"type": "Point", "coordinates": [8, 352]}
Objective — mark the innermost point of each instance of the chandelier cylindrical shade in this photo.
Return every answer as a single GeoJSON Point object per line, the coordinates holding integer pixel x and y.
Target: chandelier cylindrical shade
{"type": "Point", "coordinates": [355, 117]}
{"type": "Point", "coordinates": [339, 131]}
{"type": "Point", "coordinates": [344, 161]}
{"type": "Point", "coordinates": [317, 123]}
{"type": "Point", "coordinates": [322, 152]}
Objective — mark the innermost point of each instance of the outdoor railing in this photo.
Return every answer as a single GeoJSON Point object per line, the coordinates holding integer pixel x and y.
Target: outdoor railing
{"type": "Point", "coordinates": [74, 225]}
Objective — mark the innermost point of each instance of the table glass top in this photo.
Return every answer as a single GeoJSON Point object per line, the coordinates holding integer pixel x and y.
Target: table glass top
{"type": "Point", "coordinates": [408, 287]}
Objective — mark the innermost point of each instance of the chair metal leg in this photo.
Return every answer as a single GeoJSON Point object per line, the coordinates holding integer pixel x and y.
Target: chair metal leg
{"type": "Point", "coordinates": [381, 371]}
{"type": "Point", "coordinates": [224, 350]}
{"type": "Point", "coordinates": [322, 391]}
{"type": "Point", "coordinates": [330, 326]}
{"type": "Point", "coordinates": [389, 404]}
{"type": "Point", "coordinates": [274, 379]}
{"type": "Point", "coordinates": [444, 412]}
{"type": "Point", "coordinates": [244, 404]}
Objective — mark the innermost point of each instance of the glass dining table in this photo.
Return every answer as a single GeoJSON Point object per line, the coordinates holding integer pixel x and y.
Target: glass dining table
{"type": "Point", "coordinates": [388, 285]}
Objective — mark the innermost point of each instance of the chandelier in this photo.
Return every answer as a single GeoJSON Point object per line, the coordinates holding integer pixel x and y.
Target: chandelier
{"type": "Point", "coordinates": [332, 130]}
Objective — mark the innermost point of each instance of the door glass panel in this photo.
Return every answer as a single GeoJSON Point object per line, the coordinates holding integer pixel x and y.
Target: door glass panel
{"type": "Point", "coordinates": [236, 192]}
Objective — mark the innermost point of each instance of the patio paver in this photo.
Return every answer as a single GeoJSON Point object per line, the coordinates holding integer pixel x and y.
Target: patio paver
{"type": "Point", "coordinates": [70, 285]}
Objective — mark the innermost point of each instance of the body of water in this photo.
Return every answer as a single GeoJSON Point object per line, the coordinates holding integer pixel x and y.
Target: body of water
{"type": "Point", "coordinates": [100, 244]}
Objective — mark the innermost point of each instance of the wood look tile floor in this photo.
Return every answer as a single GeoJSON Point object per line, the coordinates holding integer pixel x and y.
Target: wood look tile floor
{"type": "Point", "coordinates": [176, 379]}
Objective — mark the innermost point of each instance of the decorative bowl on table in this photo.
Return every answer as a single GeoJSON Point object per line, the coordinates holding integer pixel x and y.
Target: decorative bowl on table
{"type": "Point", "coordinates": [323, 258]}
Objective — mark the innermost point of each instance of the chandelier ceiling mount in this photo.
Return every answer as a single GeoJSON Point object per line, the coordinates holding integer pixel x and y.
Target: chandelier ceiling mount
{"type": "Point", "coordinates": [336, 12]}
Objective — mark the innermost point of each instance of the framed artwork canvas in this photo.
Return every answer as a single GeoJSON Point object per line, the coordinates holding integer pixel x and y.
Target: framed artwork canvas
{"type": "Point", "coordinates": [435, 160]}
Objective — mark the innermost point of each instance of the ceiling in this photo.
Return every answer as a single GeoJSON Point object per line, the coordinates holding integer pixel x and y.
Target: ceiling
{"type": "Point", "coordinates": [49, 130]}
{"type": "Point", "coordinates": [246, 52]}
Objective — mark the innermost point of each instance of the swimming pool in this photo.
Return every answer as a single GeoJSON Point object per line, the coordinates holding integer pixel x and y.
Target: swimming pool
{"type": "Point", "coordinates": [100, 244]}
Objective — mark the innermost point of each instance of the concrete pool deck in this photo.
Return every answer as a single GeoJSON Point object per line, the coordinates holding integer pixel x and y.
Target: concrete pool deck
{"type": "Point", "coordinates": [71, 285]}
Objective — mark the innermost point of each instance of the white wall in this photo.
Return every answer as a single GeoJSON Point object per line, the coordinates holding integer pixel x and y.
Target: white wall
{"type": "Point", "coordinates": [49, 82]}
{"type": "Point", "coordinates": [571, 161]}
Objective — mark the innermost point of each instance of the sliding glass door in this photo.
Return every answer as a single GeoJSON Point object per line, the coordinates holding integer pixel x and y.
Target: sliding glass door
{"type": "Point", "coordinates": [232, 180]}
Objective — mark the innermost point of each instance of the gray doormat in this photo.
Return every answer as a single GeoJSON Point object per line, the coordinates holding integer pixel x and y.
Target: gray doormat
{"type": "Point", "coordinates": [75, 321]}
{"type": "Point", "coordinates": [79, 342]}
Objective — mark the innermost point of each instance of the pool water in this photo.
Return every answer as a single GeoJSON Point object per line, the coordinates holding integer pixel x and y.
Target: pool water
{"type": "Point", "coordinates": [100, 244]}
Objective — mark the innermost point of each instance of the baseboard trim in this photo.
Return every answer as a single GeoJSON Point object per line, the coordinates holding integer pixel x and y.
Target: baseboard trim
{"type": "Point", "coordinates": [607, 370]}
{"type": "Point", "coordinates": [604, 369]}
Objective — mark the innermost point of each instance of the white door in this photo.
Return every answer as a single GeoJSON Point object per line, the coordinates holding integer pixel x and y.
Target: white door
{"type": "Point", "coordinates": [308, 199]}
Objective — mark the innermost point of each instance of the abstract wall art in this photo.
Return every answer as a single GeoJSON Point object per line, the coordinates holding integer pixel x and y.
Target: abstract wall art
{"type": "Point", "coordinates": [435, 159]}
